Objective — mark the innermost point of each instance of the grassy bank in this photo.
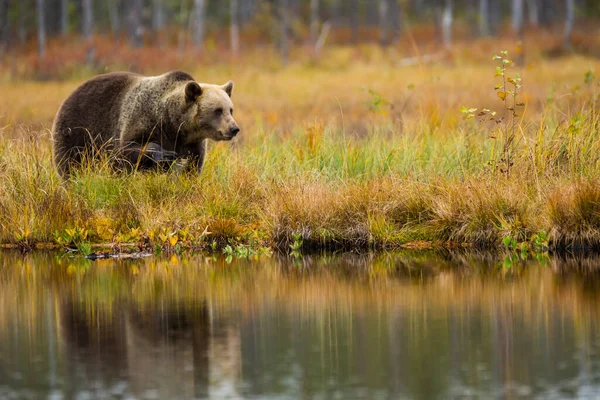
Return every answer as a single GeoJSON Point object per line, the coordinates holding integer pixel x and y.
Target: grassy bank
{"type": "Point", "coordinates": [368, 156]}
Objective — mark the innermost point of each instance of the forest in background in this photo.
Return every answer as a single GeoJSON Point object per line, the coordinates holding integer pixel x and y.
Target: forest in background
{"type": "Point", "coordinates": [48, 27]}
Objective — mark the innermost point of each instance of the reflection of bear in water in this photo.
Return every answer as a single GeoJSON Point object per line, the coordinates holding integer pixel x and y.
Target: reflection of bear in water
{"type": "Point", "coordinates": [172, 348]}
{"type": "Point", "coordinates": [168, 349]}
{"type": "Point", "coordinates": [147, 120]}
{"type": "Point", "coordinates": [163, 348]}
{"type": "Point", "coordinates": [95, 343]}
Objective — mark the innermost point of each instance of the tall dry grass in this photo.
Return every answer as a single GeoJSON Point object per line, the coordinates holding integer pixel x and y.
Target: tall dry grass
{"type": "Point", "coordinates": [357, 154]}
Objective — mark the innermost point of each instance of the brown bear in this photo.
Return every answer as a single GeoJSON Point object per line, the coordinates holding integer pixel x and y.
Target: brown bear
{"type": "Point", "coordinates": [143, 121]}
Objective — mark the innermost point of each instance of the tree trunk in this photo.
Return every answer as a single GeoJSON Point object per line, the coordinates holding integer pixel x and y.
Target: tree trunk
{"type": "Point", "coordinates": [158, 21]}
{"type": "Point", "coordinates": [137, 30]}
{"type": "Point", "coordinates": [182, 25]}
{"type": "Point", "coordinates": [113, 16]}
{"type": "Point", "coordinates": [247, 11]}
{"type": "Point", "coordinates": [158, 15]}
{"type": "Point", "coordinates": [447, 24]}
{"type": "Point", "coordinates": [64, 17]}
{"type": "Point", "coordinates": [548, 12]}
{"type": "Point", "coordinates": [283, 42]}
{"type": "Point", "coordinates": [41, 25]}
{"type": "Point", "coordinates": [418, 6]}
{"type": "Point", "coordinates": [88, 25]}
{"type": "Point", "coordinates": [569, 21]}
{"type": "Point", "coordinates": [519, 27]}
{"type": "Point", "coordinates": [4, 25]}
{"type": "Point", "coordinates": [198, 23]}
{"type": "Point", "coordinates": [88, 19]}
{"type": "Point", "coordinates": [22, 26]}
{"type": "Point", "coordinates": [235, 28]}
{"type": "Point", "coordinates": [533, 12]}
{"type": "Point", "coordinates": [314, 21]}
{"type": "Point", "coordinates": [484, 17]}
{"type": "Point", "coordinates": [383, 22]}
{"type": "Point", "coordinates": [337, 12]}
{"type": "Point", "coordinates": [354, 20]}
{"type": "Point", "coordinates": [494, 16]}
{"type": "Point", "coordinates": [396, 19]}
{"type": "Point", "coordinates": [517, 15]}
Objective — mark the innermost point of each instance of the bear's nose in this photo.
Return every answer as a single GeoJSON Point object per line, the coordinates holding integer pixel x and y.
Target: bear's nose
{"type": "Point", "coordinates": [234, 131]}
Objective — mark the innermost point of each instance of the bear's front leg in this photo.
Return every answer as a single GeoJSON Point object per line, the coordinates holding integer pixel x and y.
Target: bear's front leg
{"type": "Point", "coordinates": [148, 156]}
{"type": "Point", "coordinates": [195, 154]}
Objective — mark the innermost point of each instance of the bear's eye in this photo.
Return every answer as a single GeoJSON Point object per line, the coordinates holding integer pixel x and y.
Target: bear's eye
{"type": "Point", "coordinates": [219, 111]}
{"type": "Point", "coordinates": [231, 111]}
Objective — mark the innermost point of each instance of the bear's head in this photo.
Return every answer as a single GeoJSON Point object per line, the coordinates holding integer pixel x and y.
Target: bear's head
{"type": "Point", "coordinates": [210, 112]}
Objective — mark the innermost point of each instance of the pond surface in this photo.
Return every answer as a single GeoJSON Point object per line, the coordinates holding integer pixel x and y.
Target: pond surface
{"type": "Point", "coordinates": [389, 326]}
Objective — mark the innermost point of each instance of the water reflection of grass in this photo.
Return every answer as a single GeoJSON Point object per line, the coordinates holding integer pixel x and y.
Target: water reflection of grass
{"type": "Point", "coordinates": [424, 306]}
{"type": "Point", "coordinates": [411, 314]}
{"type": "Point", "coordinates": [314, 285]}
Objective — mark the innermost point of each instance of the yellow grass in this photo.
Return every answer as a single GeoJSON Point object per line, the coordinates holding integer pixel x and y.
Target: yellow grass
{"type": "Point", "coordinates": [351, 151]}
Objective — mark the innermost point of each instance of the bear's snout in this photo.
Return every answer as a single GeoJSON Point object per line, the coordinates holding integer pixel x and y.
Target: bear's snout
{"type": "Point", "coordinates": [234, 130]}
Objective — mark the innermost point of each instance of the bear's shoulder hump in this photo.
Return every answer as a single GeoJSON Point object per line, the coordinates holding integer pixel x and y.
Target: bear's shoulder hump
{"type": "Point", "coordinates": [177, 76]}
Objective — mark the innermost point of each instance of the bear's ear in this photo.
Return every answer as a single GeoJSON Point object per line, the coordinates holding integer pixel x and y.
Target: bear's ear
{"type": "Point", "coordinates": [192, 91]}
{"type": "Point", "coordinates": [228, 88]}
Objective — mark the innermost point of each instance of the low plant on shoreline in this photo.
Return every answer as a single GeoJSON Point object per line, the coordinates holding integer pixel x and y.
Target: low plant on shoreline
{"type": "Point", "coordinates": [508, 93]}
{"type": "Point", "coordinates": [74, 240]}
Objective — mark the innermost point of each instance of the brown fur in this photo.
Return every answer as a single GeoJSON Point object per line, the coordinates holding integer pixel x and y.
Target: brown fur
{"type": "Point", "coordinates": [143, 121]}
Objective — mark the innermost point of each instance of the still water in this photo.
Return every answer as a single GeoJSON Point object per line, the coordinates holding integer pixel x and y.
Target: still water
{"type": "Point", "coordinates": [389, 326]}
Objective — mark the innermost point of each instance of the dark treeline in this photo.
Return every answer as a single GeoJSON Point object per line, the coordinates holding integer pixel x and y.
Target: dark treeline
{"type": "Point", "coordinates": [280, 21]}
